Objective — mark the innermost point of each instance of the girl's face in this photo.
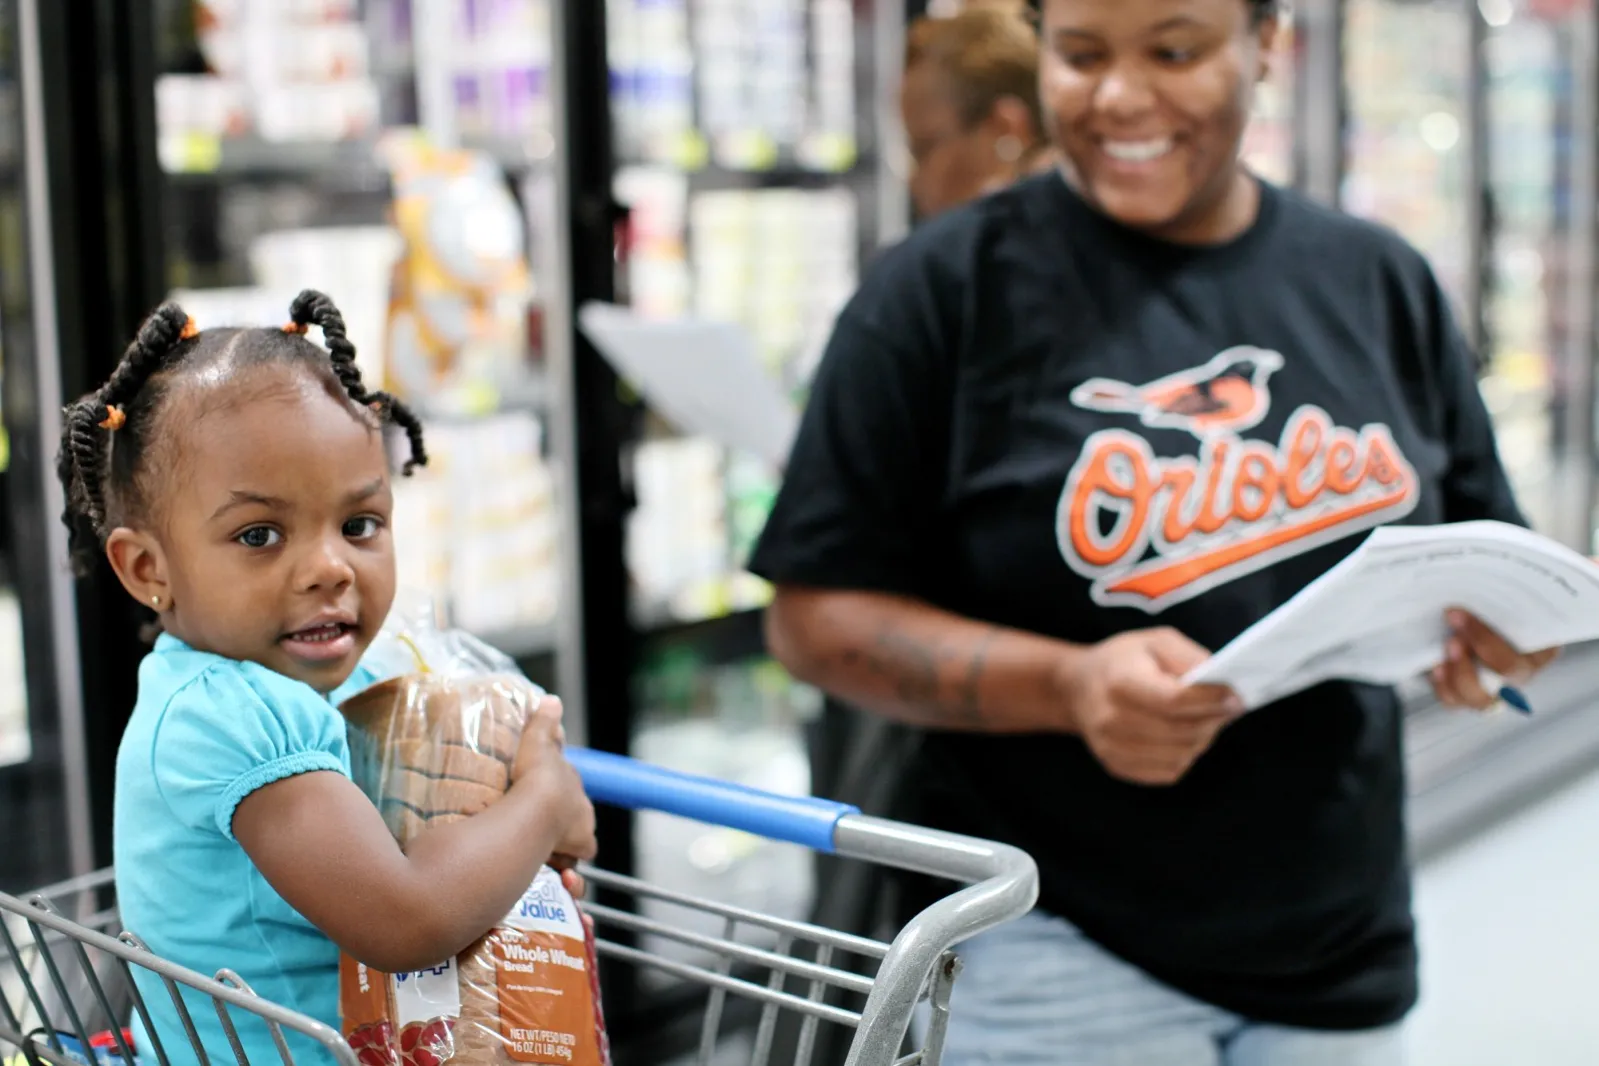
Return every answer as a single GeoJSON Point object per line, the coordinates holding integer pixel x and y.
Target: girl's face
{"type": "Point", "coordinates": [273, 542]}
{"type": "Point", "coordinates": [1150, 99]}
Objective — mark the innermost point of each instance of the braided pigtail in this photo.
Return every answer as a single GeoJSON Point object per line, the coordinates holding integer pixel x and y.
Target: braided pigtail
{"type": "Point", "coordinates": [81, 467]}
{"type": "Point", "coordinates": [89, 425]}
{"type": "Point", "coordinates": [312, 308]}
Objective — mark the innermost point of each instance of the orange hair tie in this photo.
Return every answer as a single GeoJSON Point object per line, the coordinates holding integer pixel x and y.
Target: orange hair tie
{"type": "Point", "coordinates": [114, 419]}
{"type": "Point", "coordinates": [189, 330]}
{"type": "Point", "coordinates": [297, 327]}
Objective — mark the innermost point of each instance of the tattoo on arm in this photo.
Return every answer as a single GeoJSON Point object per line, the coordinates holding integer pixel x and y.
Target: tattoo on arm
{"type": "Point", "coordinates": [971, 702]}
{"type": "Point", "coordinates": [916, 667]}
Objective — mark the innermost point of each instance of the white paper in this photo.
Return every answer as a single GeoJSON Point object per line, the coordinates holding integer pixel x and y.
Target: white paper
{"type": "Point", "coordinates": [1378, 616]}
{"type": "Point", "coordinates": [703, 376]}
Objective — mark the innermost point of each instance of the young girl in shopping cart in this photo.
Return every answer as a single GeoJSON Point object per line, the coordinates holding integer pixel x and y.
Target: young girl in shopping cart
{"type": "Point", "coordinates": [238, 483]}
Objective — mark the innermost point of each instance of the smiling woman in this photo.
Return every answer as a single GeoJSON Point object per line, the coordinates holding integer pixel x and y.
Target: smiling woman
{"type": "Point", "coordinates": [1150, 115]}
{"type": "Point", "coordinates": [1066, 440]}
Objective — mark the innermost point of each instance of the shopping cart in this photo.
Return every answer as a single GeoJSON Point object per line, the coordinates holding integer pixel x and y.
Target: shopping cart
{"type": "Point", "coordinates": [68, 989]}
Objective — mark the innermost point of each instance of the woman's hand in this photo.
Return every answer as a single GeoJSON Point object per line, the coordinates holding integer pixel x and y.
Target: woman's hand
{"type": "Point", "coordinates": [1456, 681]}
{"type": "Point", "coordinates": [1129, 703]}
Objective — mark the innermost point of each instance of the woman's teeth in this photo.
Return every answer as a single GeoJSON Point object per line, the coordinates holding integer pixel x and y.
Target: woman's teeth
{"type": "Point", "coordinates": [1137, 151]}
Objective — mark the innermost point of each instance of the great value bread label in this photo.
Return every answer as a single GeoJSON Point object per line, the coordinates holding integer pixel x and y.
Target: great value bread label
{"type": "Point", "coordinates": [425, 995]}
{"type": "Point", "coordinates": [546, 907]}
{"type": "Point", "coordinates": [363, 995]}
{"type": "Point", "coordinates": [542, 969]}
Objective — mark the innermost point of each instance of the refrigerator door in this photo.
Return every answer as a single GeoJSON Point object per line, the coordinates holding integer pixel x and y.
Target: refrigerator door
{"type": "Point", "coordinates": [759, 161]}
{"type": "Point", "coordinates": [758, 167]}
{"type": "Point", "coordinates": [380, 152]}
{"type": "Point", "coordinates": [1269, 142]}
{"type": "Point", "coordinates": [1539, 279]}
{"type": "Point", "coordinates": [44, 820]}
{"type": "Point", "coordinates": [1407, 72]}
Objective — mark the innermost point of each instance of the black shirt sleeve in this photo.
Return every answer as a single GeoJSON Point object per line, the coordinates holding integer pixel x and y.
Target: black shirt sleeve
{"type": "Point", "coordinates": [1475, 484]}
{"type": "Point", "coordinates": [868, 468]}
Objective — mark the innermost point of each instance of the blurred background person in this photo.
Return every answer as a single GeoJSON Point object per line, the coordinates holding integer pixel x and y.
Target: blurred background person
{"type": "Point", "coordinates": [970, 104]}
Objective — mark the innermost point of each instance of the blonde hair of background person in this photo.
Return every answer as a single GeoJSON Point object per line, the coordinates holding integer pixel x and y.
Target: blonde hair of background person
{"type": "Point", "coordinates": [970, 105]}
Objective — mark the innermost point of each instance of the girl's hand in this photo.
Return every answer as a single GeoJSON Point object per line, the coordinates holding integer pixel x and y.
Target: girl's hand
{"type": "Point", "coordinates": [1456, 680]}
{"type": "Point", "coordinates": [570, 878]}
{"type": "Point", "coordinates": [574, 883]}
{"type": "Point", "coordinates": [542, 750]}
{"type": "Point", "coordinates": [541, 759]}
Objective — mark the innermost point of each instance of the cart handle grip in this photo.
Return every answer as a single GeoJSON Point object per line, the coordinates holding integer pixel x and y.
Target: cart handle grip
{"type": "Point", "coordinates": [623, 782]}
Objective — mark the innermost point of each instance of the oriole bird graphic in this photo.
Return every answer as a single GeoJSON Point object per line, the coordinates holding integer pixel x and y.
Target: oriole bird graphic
{"type": "Point", "coordinates": [1227, 394]}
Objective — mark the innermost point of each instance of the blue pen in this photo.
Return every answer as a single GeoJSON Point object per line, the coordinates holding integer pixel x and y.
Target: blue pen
{"type": "Point", "coordinates": [1513, 696]}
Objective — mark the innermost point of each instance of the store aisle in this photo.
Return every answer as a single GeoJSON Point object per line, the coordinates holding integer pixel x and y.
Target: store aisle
{"type": "Point", "coordinates": [1510, 941]}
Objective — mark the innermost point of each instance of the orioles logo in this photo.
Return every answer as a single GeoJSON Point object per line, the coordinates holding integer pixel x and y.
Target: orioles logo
{"type": "Point", "coordinates": [1226, 394]}
{"type": "Point", "coordinates": [1150, 531]}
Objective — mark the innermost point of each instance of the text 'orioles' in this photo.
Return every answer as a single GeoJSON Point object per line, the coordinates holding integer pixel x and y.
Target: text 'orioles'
{"type": "Point", "coordinates": [1237, 507]}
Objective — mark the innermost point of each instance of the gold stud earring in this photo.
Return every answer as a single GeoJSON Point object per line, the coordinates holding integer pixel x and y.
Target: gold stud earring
{"type": "Point", "coordinates": [156, 602]}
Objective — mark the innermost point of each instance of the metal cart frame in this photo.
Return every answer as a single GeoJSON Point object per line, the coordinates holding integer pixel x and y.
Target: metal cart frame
{"type": "Point", "coordinates": [71, 964]}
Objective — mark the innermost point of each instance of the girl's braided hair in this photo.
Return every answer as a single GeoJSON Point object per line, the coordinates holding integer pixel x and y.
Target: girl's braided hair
{"type": "Point", "coordinates": [108, 436]}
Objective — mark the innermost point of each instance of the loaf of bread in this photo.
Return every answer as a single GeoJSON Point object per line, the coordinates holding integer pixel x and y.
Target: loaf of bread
{"type": "Point", "coordinates": [431, 750]}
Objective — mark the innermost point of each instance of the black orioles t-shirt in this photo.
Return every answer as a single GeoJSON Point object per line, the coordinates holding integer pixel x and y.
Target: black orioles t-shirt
{"type": "Point", "coordinates": [1033, 416]}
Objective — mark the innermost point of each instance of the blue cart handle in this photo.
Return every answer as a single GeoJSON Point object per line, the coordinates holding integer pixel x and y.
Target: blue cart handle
{"type": "Point", "coordinates": [624, 782]}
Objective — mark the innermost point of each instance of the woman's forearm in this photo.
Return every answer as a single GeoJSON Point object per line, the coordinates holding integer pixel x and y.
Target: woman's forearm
{"type": "Point", "coordinates": [921, 665]}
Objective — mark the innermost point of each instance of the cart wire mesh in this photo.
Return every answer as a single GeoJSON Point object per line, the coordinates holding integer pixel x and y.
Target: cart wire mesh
{"type": "Point", "coordinates": [68, 995]}
{"type": "Point", "coordinates": [67, 973]}
{"type": "Point", "coordinates": [818, 976]}
{"type": "Point", "coordinates": [67, 992]}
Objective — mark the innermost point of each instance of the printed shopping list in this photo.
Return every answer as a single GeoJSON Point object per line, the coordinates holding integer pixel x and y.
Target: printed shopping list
{"type": "Point", "coordinates": [704, 376]}
{"type": "Point", "coordinates": [1378, 616]}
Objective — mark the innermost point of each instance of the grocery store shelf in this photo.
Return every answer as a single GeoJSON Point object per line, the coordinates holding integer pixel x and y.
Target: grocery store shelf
{"type": "Point", "coordinates": [787, 174]}
{"type": "Point", "coordinates": [522, 642]}
{"type": "Point", "coordinates": [726, 639]}
{"type": "Point", "coordinates": [349, 164]}
{"type": "Point", "coordinates": [1468, 772]}
{"type": "Point", "coordinates": [530, 395]}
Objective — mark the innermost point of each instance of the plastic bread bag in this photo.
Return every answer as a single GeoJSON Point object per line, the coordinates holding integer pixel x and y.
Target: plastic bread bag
{"type": "Point", "coordinates": [435, 744]}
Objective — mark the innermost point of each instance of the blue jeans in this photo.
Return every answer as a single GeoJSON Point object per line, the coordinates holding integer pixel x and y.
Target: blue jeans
{"type": "Point", "coordinates": [1039, 992]}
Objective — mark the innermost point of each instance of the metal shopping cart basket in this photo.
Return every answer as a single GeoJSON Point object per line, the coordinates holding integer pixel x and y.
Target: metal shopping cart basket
{"type": "Point", "coordinates": [66, 987]}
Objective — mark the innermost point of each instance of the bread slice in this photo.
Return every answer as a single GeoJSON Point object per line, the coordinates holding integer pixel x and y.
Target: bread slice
{"type": "Point", "coordinates": [392, 710]}
{"type": "Point", "coordinates": [431, 796]}
{"type": "Point", "coordinates": [406, 823]}
{"type": "Point", "coordinates": [484, 714]}
{"type": "Point", "coordinates": [449, 760]}
{"type": "Point", "coordinates": [484, 733]}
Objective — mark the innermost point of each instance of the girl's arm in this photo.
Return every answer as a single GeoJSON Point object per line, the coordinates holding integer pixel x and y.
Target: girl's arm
{"type": "Point", "coordinates": [320, 842]}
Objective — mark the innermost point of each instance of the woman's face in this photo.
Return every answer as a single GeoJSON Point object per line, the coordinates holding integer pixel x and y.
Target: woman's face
{"type": "Point", "coordinates": [1149, 100]}
{"type": "Point", "coordinates": [953, 162]}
